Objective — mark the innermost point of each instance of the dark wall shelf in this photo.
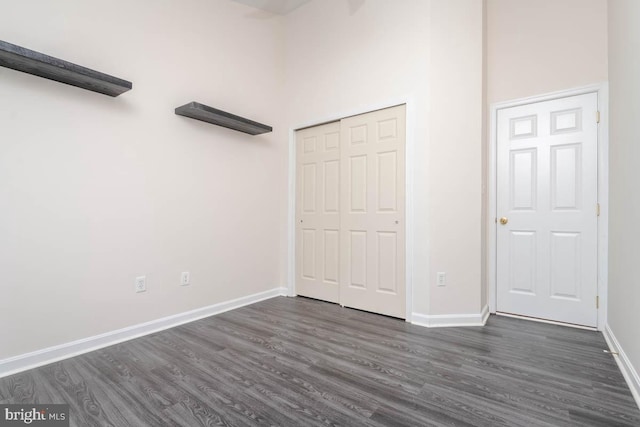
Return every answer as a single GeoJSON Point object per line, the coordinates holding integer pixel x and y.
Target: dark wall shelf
{"type": "Point", "coordinates": [214, 116]}
{"type": "Point", "coordinates": [39, 64]}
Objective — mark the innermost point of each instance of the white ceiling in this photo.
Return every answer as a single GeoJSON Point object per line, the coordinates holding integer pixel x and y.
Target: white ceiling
{"type": "Point", "coordinates": [279, 7]}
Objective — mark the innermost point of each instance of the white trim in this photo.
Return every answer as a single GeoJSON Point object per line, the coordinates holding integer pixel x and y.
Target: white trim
{"type": "Point", "coordinates": [602, 89]}
{"type": "Point", "coordinates": [603, 199]}
{"type": "Point", "coordinates": [628, 371]}
{"type": "Point", "coordinates": [408, 209]}
{"type": "Point", "coordinates": [56, 353]}
{"type": "Point", "coordinates": [291, 217]}
{"type": "Point", "coordinates": [485, 314]}
{"type": "Point", "coordinates": [451, 320]}
{"type": "Point", "coordinates": [409, 170]}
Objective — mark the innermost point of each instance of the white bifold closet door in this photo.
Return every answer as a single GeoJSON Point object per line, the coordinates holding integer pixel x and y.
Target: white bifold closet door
{"type": "Point", "coordinates": [318, 212]}
{"type": "Point", "coordinates": [372, 195]}
{"type": "Point", "coordinates": [351, 249]}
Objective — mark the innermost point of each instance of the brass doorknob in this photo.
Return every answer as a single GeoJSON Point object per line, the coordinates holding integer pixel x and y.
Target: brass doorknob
{"type": "Point", "coordinates": [504, 220]}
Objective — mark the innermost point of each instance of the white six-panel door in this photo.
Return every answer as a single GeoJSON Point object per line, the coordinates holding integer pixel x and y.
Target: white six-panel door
{"type": "Point", "coordinates": [372, 225]}
{"type": "Point", "coordinates": [547, 210]}
{"type": "Point", "coordinates": [318, 212]}
{"type": "Point", "coordinates": [350, 198]}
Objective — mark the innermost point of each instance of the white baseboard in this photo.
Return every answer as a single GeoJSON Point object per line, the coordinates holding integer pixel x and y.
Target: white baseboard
{"type": "Point", "coordinates": [451, 320]}
{"type": "Point", "coordinates": [45, 356]}
{"type": "Point", "coordinates": [628, 371]}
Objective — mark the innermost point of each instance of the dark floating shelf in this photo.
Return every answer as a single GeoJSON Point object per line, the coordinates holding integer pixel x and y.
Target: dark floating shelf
{"type": "Point", "coordinates": [197, 111]}
{"type": "Point", "coordinates": [39, 64]}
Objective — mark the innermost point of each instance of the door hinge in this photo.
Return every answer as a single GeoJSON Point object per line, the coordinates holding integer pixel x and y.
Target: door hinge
{"type": "Point", "coordinates": [597, 302]}
{"type": "Point", "coordinates": [597, 116]}
{"type": "Point", "coordinates": [598, 209]}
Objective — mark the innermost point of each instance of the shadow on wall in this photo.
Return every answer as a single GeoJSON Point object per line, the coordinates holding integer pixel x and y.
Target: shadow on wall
{"type": "Point", "coordinates": [283, 7]}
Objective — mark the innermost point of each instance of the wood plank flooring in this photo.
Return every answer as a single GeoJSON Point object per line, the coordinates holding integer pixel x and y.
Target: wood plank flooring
{"type": "Point", "coordinates": [301, 362]}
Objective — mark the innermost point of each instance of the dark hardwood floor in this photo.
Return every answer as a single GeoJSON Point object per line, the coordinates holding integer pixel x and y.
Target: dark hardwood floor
{"type": "Point", "coordinates": [300, 362]}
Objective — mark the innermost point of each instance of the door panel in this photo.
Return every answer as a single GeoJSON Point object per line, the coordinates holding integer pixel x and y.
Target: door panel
{"type": "Point", "coordinates": [565, 265]}
{"type": "Point", "coordinates": [566, 165]}
{"type": "Point", "coordinates": [309, 253]}
{"type": "Point", "coordinates": [522, 261]}
{"type": "Point", "coordinates": [524, 180]}
{"type": "Point", "coordinates": [357, 251]}
{"type": "Point", "coordinates": [331, 256]}
{"type": "Point", "coordinates": [309, 188]}
{"type": "Point", "coordinates": [372, 225]}
{"type": "Point", "coordinates": [547, 190]}
{"type": "Point", "coordinates": [318, 212]}
{"type": "Point", "coordinates": [357, 189]}
{"type": "Point", "coordinates": [387, 262]}
{"type": "Point", "coordinates": [331, 187]}
{"type": "Point", "coordinates": [388, 182]}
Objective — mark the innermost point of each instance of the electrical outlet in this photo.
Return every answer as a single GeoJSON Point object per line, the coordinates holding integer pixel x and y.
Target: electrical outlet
{"type": "Point", "coordinates": [441, 279]}
{"type": "Point", "coordinates": [141, 284]}
{"type": "Point", "coordinates": [185, 278]}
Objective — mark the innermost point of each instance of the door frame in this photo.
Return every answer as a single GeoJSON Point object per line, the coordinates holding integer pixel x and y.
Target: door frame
{"type": "Point", "coordinates": [409, 168]}
{"type": "Point", "coordinates": [602, 89]}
